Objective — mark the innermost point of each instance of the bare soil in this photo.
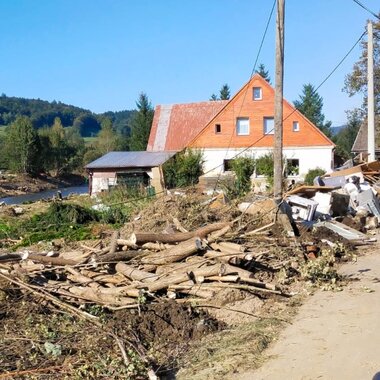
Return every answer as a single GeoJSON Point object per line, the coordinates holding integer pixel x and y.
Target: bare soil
{"type": "Point", "coordinates": [335, 335]}
{"type": "Point", "coordinates": [12, 184]}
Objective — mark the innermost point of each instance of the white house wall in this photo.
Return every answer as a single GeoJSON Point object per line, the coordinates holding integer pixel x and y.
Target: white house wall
{"type": "Point", "coordinates": [309, 158]}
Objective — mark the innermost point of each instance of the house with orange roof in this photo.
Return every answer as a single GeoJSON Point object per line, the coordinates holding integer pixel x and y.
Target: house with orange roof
{"type": "Point", "coordinates": [241, 126]}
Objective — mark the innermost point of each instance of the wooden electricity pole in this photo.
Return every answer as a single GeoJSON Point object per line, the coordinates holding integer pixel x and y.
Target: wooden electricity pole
{"type": "Point", "coordinates": [370, 96]}
{"type": "Point", "coordinates": [278, 112]}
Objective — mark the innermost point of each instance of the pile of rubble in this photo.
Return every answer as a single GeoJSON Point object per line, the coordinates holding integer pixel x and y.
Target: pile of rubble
{"type": "Point", "coordinates": [127, 269]}
{"type": "Point", "coordinates": [143, 266]}
{"type": "Point", "coordinates": [344, 201]}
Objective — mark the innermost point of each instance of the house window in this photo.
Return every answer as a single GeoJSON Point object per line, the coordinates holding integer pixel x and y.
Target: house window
{"type": "Point", "coordinates": [296, 126]}
{"type": "Point", "coordinates": [292, 167]}
{"type": "Point", "coordinates": [242, 126]}
{"type": "Point", "coordinates": [227, 165]}
{"type": "Point", "coordinates": [218, 128]}
{"type": "Point", "coordinates": [268, 125]}
{"type": "Point", "coordinates": [257, 93]}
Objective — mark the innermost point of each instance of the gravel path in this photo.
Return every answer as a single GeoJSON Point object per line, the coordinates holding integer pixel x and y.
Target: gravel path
{"type": "Point", "coordinates": [335, 335]}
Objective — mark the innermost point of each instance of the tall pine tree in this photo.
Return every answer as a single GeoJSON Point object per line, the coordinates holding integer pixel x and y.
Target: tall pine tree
{"type": "Point", "coordinates": [224, 93]}
{"type": "Point", "coordinates": [141, 123]}
{"type": "Point", "coordinates": [310, 104]}
{"type": "Point", "coordinates": [263, 72]}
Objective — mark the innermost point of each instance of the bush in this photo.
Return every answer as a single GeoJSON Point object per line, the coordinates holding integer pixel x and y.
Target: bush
{"type": "Point", "coordinates": [312, 173]}
{"type": "Point", "coordinates": [243, 168]}
{"type": "Point", "coordinates": [183, 169]}
{"type": "Point", "coordinates": [265, 167]}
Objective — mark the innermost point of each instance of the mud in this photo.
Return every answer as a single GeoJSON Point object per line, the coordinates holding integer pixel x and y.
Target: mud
{"type": "Point", "coordinates": [12, 184]}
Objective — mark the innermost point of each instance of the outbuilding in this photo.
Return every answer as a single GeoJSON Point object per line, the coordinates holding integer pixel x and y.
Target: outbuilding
{"type": "Point", "coordinates": [128, 168]}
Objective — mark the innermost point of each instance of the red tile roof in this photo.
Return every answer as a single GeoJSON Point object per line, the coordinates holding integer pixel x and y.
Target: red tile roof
{"type": "Point", "coordinates": [174, 126]}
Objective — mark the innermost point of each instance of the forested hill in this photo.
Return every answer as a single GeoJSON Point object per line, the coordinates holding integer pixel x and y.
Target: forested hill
{"type": "Point", "coordinates": [43, 113]}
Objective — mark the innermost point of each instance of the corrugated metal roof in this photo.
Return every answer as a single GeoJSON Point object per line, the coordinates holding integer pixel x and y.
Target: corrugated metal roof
{"type": "Point", "coordinates": [140, 159]}
{"type": "Point", "coordinates": [174, 126]}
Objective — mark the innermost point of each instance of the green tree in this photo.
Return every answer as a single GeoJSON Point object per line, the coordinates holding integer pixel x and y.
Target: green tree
{"type": "Point", "coordinates": [225, 92]}
{"type": "Point", "coordinates": [243, 168]}
{"type": "Point", "coordinates": [310, 105]}
{"type": "Point", "coordinates": [183, 169]}
{"type": "Point", "coordinates": [141, 123]}
{"type": "Point", "coordinates": [345, 139]}
{"type": "Point", "coordinates": [22, 146]}
{"type": "Point", "coordinates": [356, 81]}
{"type": "Point", "coordinates": [263, 72]}
{"type": "Point", "coordinates": [62, 149]}
{"type": "Point", "coordinates": [107, 138]}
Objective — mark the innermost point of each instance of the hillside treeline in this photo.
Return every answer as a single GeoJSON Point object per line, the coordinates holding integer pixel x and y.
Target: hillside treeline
{"type": "Point", "coordinates": [43, 113]}
{"type": "Point", "coordinates": [58, 149]}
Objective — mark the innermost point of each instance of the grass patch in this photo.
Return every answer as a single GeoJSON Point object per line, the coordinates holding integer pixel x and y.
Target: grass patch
{"type": "Point", "coordinates": [230, 351]}
{"type": "Point", "coordinates": [61, 220]}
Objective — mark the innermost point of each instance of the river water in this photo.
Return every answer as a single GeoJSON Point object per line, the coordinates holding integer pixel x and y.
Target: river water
{"type": "Point", "coordinates": [47, 194]}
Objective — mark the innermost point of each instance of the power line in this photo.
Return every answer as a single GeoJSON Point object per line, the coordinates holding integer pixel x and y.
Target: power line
{"type": "Point", "coordinates": [367, 9]}
{"type": "Point", "coordinates": [295, 109]}
{"type": "Point", "coordinates": [259, 139]}
{"type": "Point", "coordinates": [252, 72]}
{"type": "Point", "coordinates": [263, 38]}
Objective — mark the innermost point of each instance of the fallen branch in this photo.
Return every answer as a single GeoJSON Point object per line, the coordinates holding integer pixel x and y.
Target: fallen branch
{"type": "Point", "coordinates": [177, 253]}
{"type": "Point", "coordinates": [141, 238]}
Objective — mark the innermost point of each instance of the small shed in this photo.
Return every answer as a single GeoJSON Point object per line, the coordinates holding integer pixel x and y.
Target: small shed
{"type": "Point", "coordinates": [129, 168]}
{"type": "Point", "coordinates": [360, 145]}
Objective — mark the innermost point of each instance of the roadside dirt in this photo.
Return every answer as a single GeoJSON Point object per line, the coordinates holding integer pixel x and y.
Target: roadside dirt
{"type": "Point", "coordinates": [12, 184]}
{"type": "Point", "coordinates": [335, 334]}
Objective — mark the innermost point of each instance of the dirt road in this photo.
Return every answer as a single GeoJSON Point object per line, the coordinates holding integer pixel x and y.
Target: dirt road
{"type": "Point", "coordinates": [335, 335]}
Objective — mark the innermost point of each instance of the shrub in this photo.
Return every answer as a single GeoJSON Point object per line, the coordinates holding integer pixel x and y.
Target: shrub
{"type": "Point", "coordinates": [243, 168]}
{"type": "Point", "coordinates": [265, 167]}
{"type": "Point", "coordinates": [312, 173]}
{"type": "Point", "coordinates": [183, 169]}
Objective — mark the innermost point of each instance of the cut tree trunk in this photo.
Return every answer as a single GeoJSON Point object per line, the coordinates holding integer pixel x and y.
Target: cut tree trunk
{"type": "Point", "coordinates": [104, 299]}
{"type": "Point", "coordinates": [212, 270]}
{"type": "Point", "coordinates": [141, 238]}
{"type": "Point", "coordinates": [195, 290]}
{"type": "Point", "coordinates": [113, 244]}
{"type": "Point", "coordinates": [118, 256]}
{"type": "Point", "coordinates": [177, 253]}
{"type": "Point", "coordinates": [135, 274]}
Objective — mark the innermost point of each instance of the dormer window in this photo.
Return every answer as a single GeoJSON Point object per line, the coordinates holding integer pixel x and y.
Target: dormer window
{"type": "Point", "coordinates": [257, 93]}
{"type": "Point", "coordinates": [218, 128]}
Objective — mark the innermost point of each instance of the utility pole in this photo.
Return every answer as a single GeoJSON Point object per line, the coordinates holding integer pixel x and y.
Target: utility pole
{"type": "Point", "coordinates": [278, 102]}
{"type": "Point", "coordinates": [370, 95]}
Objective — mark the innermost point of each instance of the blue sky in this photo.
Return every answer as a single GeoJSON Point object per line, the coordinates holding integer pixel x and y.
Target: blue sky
{"type": "Point", "coordinates": [100, 54]}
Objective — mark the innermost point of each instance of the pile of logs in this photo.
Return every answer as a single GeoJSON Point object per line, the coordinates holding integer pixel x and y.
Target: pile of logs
{"type": "Point", "coordinates": [182, 266]}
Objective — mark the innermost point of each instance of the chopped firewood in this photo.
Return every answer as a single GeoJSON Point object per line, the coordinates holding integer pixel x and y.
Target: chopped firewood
{"type": "Point", "coordinates": [103, 299]}
{"type": "Point", "coordinates": [177, 253]}
{"type": "Point", "coordinates": [135, 274]}
{"type": "Point", "coordinates": [141, 238]}
{"type": "Point", "coordinates": [212, 270]}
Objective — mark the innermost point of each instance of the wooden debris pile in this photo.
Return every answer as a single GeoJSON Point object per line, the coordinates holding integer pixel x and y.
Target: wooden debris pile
{"type": "Point", "coordinates": [184, 266]}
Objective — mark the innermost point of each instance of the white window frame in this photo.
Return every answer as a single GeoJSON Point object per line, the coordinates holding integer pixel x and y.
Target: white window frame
{"type": "Point", "coordinates": [270, 131]}
{"type": "Point", "coordinates": [261, 93]}
{"type": "Point", "coordinates": [296, 126]}
{"type": "Point", "coordinates": [238, 126]}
